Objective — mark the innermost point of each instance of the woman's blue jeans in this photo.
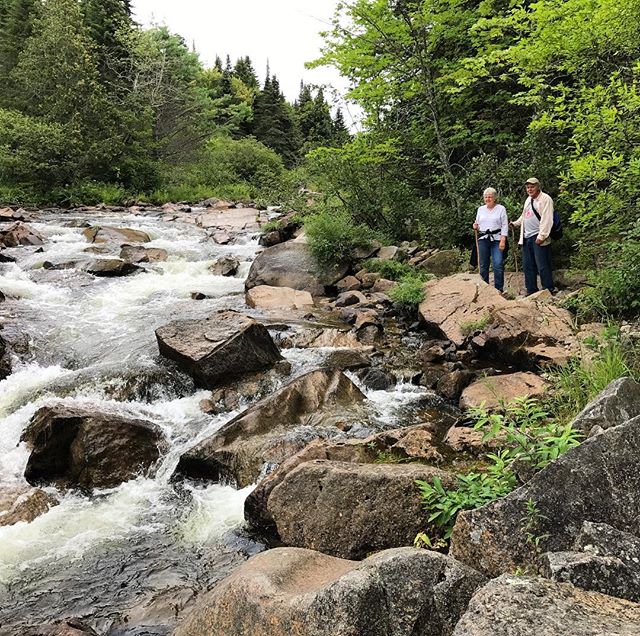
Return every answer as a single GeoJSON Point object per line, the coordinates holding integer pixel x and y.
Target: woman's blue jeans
{"type": "Point", "coordinates": [536, 259]}
{"type": "Point", "coordinates": [490, 250]}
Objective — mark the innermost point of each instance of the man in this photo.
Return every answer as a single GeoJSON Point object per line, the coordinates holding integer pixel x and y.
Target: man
{"type": "Point", "coordinates": [535, 225]}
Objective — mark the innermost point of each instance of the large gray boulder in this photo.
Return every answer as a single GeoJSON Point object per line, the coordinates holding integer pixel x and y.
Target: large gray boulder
{"type": "Point", "coordinates": [76, 447]}
{"type": "Point", "coordinates": [619, 402]}
{"type": "Point", "coordinates": [598, 481]}
{"type": "Point", "coordinates": [294, 592]}
{"type": "Point", "coordinates": [291, 264]}
{"type": "Point", "coordinates": [220, 347]}
{"type": "Point", "coordinates": [521, 606]}
{"type": "Point", "coordinates": [603, 560]}
{"type": "Point", "coordinates": [274, 428]}
{"type": "Point", "coordinates": [357, 508]}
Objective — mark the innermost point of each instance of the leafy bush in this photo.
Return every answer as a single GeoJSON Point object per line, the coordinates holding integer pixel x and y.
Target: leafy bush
{"type": "Point", "coordinates": [409, 292]}
{"type": "Point", "coordinates": [391, 270]}
{"type": "Point", "coordinates": [334, 237]}
{"type": "Point", "coordinates": [525, 433]}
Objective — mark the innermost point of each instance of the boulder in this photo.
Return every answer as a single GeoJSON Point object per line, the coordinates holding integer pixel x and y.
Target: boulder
{"type": "Point", "coordinates": [7, 215]}
{"type": "Point", "coordinates": [347, 284]}
{"type": "Point", "coordinates": [357, 508]}
{"type": "Point", "coordinates": [347, 298]}
{"type": "Point", "coordinates": [265, 297]}
{"type": "Point", "coordinates": [110, 267]}
{"type": "Point", "coordinates": [230, 220]}
{"type": "Point", "coordinates": [291, 264]}
{"type": "Point", "coordinates": [20, 233]}
{"type": "Point", "coordinates": [383, 286]}
{"type": "Point", "coordinates": [603, 560]}
{"type": "Point", "coordinates": [295, 592]}
{"type": "Point", "coordinates": [220, 347]}
{"type": "Point", "coordinates": [99, 234]}
{"type": "Point", "coordinates": [522, 606]}
{"type": "Point", "coordinates": [221, 237]}
{"type": "Point", "coordinates": [453, 303]}
{"type": "Point", "coordinates": [273, 429]}
{"type": "Point", "coordinates": [451, 385]}
{"type": "Point", "coordinates": [567, 492]}
{"type": "Point", "coordinates": [346, 359]}
{"type": "Point", "coordinates": [619, 402]}
{"type": "Point", "coordinates": [86, 449]}
{"type": "Point", "coordinates": [225, 266]}
{"type": "Point", "coordinates": [526, 323]}
{"type": "Point", "coordinates": [5, 359]}
{"type": "Point", "coordinates": [5, 258]}
{"type": "Point", "coordinates": [377, 379]}
{"type": "Point", "coordinates": [463, 439]}
{"type": "Point", "coordinates": [387, 253]}
{"type": "Point", "coordinates": [137, 254]}
{"type": "Point", "coordinates": [442, 263]}
{"type": "Point", "coordinates": [23, 504]}
{"type": "Point", "coordinates": [493, 392]}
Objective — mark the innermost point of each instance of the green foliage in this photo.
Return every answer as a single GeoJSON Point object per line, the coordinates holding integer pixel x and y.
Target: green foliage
{"type": "Point", "coordinates": [473, 491]}
{"type": "Point", "coordinates": [334, 237]}
{"type": "Point", "coordinates": [409, 292]}
{"type": "Point", "coordinates": [581, 380]}
{"type": "Point", "coordinates": [391, 270]}
{"type": "Point", "coordinates": [525, 434]}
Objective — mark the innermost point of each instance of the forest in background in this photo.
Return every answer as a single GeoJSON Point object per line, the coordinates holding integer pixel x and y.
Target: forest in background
{"type": "Point", "coordinates": [457, 95]}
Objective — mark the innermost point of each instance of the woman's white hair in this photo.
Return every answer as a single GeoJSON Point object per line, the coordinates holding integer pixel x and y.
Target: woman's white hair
{"type": "Point", "coordinates": [492, 191]}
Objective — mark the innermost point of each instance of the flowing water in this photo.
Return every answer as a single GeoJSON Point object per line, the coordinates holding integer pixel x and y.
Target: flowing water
{"type": "Point", "coordinates": [127, 560]}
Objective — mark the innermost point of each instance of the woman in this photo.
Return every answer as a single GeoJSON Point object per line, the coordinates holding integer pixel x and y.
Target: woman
{"type": "Point", "coordinates": [492, 226]}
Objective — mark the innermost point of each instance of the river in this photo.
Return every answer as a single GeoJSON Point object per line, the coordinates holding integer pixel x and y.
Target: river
{"type": "Point", "coordinates": [130, 559]}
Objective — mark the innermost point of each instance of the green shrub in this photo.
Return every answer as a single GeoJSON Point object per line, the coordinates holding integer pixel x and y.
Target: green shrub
{"type": "Point", "coordinates": [391, 270]}
{"type": "Point", "coordinates": [334, 237]}
{"type": "Point", "coordinates": [475, 325]}
{"type": "Point", "coordinates": [526, 435]}
{"type": "Point", "coordinates": [409, 292]}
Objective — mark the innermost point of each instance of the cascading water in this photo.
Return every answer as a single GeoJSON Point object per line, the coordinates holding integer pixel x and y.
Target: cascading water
{"type": "Point", "coordinates": [127, 559]}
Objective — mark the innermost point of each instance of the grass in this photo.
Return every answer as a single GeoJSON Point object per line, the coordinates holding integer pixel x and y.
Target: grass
{"type": "Point", "coordinates": [472, 326]}
{"type": "Point", "coordinates": [581, 380]}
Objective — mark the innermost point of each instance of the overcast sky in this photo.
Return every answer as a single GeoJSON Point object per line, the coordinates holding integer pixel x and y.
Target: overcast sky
{"type": "Point", "coordinates": [284, 32]}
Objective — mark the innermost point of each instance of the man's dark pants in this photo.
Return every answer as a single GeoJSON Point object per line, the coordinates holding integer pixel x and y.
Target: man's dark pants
{"type": "Point", "coordinates": [536, 259]}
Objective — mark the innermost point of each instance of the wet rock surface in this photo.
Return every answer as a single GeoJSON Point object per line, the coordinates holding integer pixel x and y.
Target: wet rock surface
{"type": "Point", "coordinates": [19, 233]}
{"type": "Point", "coordinates": [22, 503]}
{"type": "Point", "coordinates": [137, 254]}
{"type": "Point", "coordinates": [522, 606]}
{"type": "Point", "coordinates": [296, 592]}
{"type": "Point", "coordinates": [79, 448]}
{"type": "Point", "coordinates": [98, 234]}
{"type": "Point", "coordinates": [220, 347]}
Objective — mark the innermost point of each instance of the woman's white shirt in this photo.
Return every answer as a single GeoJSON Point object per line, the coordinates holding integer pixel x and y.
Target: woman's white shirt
{"type": "Point", "coordinates": [493, 220]}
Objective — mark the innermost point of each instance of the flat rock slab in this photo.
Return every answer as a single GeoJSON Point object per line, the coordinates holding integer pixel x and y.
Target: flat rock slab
{"type": "Point", "coordinates": [598, 481]}
{"type": "Point", "coordinates": [235, 219]}
{"type": "Point", "coordinates": [495, 391]}
{"type": "Point", "coordinates": [455, 302]}
{"type": "Point", "coordinates": [266, 297]}
{"type": "Point", "coordinates": [520, 606]}
{"type": "Point", "coordinates": [350, 510]}
{"type": "Point", "coordinates": [266, 432]}
{"type": "Point", "coordinates": [75, 447]}
{"type": "Point", "coordinates": [291, 264]}
{"type": "Point", "coordinates": [222, 346]}
{"type": "Point", "coordinates": [295, 592]}
{"type": "Point", "coordinates": [98, 234]}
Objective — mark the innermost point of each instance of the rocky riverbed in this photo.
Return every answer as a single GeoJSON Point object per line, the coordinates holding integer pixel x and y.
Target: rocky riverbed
{"type": "Point", "coordinates": [177, 400]}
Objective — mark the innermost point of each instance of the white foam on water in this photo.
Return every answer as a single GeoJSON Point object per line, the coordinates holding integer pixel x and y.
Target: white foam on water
{"type": "Point", "coordinates": [216, 509]}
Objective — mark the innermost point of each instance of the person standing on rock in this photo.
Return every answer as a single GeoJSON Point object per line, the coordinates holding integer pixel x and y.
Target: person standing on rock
{"type": "Point", "coordinates": [492, 226]}
{"type": "Point", "coordinates": [535, 223]}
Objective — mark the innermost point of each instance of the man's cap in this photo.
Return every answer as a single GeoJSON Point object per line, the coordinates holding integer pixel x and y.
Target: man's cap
{"type": "Point", "coordinates": [532, 181]}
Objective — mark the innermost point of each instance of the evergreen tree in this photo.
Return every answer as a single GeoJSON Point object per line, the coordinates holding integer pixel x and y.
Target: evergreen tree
{"type": "Point", "coordinates": [274, 122]}
{"type": "Point", "coordinates": [340, 130]}
{"type": "Point", "coordinates": [108, 22]}
{"type": "Point", "coordinates": [243, 70]}
{"type": "Point", "coordinates": [16, 24]}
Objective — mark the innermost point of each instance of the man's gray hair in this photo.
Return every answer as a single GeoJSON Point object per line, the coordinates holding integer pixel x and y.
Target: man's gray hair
{"type": "Point", "coordinates": [492, 191]}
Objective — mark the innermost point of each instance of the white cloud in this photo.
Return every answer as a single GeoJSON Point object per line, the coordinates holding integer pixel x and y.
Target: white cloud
{"type": "Point", "coordinates": [286, 33]}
